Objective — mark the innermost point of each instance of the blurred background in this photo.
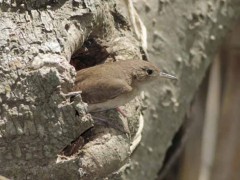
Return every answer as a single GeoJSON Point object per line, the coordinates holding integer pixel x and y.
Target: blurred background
{"type": "Point", "coordinates": [207, 147]}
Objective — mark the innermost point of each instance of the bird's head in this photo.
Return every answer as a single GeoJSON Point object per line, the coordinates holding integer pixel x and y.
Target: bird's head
{"type": "Point", "coordinates": [148, 72]}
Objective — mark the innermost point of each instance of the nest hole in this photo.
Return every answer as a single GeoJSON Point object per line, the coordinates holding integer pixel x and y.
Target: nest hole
{"type": "Point", "coordinates": [92, 52]}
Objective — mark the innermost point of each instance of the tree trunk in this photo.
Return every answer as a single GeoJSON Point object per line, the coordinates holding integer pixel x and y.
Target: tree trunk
{"type": "Point", "coordinates": [39, 40]}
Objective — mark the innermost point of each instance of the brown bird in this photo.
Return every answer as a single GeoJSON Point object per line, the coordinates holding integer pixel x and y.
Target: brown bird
{"type": "Point", "coordinates": [111, 85]}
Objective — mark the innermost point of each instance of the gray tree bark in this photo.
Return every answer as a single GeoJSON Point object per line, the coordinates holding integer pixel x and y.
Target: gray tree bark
{"type": "Point", "coordinates": [37, 120]}
{"type": "Point", "coordinates": [183, 38]}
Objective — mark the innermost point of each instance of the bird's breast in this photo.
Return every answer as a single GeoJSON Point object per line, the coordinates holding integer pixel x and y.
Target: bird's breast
{"type": "Point", "coordinates": [113, 103]}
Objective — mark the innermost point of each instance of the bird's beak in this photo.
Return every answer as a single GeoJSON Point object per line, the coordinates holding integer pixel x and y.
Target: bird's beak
{"type": "Point", "coordinates": [165, 75]}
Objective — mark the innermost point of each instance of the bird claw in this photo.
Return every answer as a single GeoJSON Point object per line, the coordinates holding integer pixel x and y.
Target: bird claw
{"type": "Point", "coordinates": [124, 129]}
{"type": "Point", "coordinates": [122, 112]}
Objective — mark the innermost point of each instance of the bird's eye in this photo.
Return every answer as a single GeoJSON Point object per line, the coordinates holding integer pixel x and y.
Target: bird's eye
{"type": "Point", "coordinates": [149, 71]}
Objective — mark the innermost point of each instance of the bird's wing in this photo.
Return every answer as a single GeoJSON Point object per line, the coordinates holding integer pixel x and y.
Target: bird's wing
{"type": "Point", "coordinates": [103, 90]}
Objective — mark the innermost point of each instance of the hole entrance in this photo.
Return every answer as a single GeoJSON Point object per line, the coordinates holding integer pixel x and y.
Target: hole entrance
{"type": "Point", "coordinates": [92, 52]}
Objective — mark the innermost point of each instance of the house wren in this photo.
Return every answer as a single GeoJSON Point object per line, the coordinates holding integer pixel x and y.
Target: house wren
{"type": "Point", "coordinates": [111, 85]}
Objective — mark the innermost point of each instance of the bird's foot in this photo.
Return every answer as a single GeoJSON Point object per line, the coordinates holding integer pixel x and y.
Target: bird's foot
{"type": "Point", "coordinates": [124, 114]}
{"type": "Point", "coordinates": [124, 128]}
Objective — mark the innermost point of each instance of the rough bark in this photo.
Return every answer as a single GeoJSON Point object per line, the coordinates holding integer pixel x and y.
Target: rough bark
{"type": "Point", "coordinates": [37, 120]}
